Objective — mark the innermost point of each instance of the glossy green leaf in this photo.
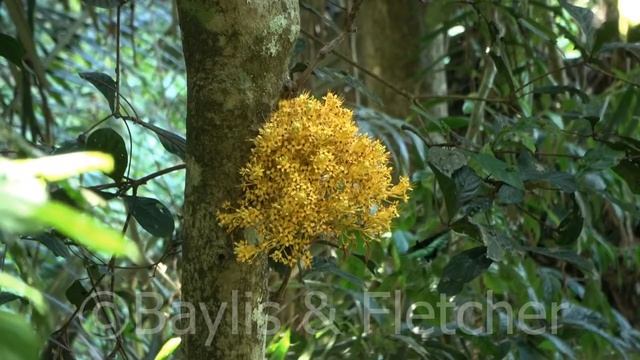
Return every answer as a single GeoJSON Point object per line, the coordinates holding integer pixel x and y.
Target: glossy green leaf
{"type": "Point", "coordinates": [172, 142]}
{"type": "Point", "coordinates": [151, 214]}
{"type": "Point", "coordinates": [104, 83]}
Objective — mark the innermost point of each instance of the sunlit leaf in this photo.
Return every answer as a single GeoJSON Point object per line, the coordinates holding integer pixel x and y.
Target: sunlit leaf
{"type": "Point", "coordinates": [85, 230]}
{"type": "Point", "coordinates": [58, 167]}
{"type": "Point", "coordinates": [277, 350]}
{"type": "Point", "coordinates": [18, 287]}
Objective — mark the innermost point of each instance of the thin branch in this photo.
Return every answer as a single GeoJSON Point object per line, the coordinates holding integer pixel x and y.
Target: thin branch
{"type": "Point", "coordinates": [330, 47]}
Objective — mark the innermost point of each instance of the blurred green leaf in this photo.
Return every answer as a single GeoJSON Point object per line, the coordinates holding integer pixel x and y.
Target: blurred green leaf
{"type": "Point", "coordinates": [499, 169]}
{"type": "Point", "coordinates": [168, 348]}
{"type": "Point", "coordinates": [277, 350]}
{"type": "Point", "coordinates": [18, 341]}
{"type": "Point", "coordinates": [18, 287]}
{"type": "Point", "coordinates": [85, 230]}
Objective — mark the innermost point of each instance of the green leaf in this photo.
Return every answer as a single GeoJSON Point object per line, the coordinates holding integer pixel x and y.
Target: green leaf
{"type": "Point", "coordinates": [497, 243]}
{"type": "Point", "coordinates": [469, 198]}
{"type": "Point", "coordinates": [370, 264]}
{"type": "Point", "coordinates": [463, 226]}
{"type": "Point", "coordinates": [53, 242]}
{"type": "Point", "coordinates": [59, 167]}
{"type": "Point", "coordinates": [623, 111]}
{"type": "Point", "coordinates": [106, 4]}
{"type": "Point", "coordinates": [503, 70]}
{"type": "Point", "coordinates": [571, 226]}
{"type": "Point", "coordinates": [110, 142]}
{"type": "Point", "coordinates": [507, 194]}
{"type": "Point", "coordinates": [105, 84]}
{"type": "Point", "coordinates": [537, 175]}
{"type": "Point", "coordinates": [499, 170]}
{"type": "Point", "coordinates": [428, 248]}
{"type": "Point", "coordinates": [446, 160]}
{"type": "Point", "coordinates": [561, 180]}
{"type": "Point", "coordinates": [173, 143]}
{"type": "Point", "coordinates": [629, 170]}
{"type": "Point", "coordinates": [18, 341]}
{"type": "Point", "coordinates": [277, 350]}
{"type": "Point", "coordinates": [6, 297]}
{"type": "Point", "coordinates": [462, 268]}
{"type": "Point", "coordinates": [564, 255]}
{"type": "Point", "coordinates": [328, 265]}
{"type": "Point", "coordinates": [77, 294]}
{"type": "Point", "coordinates": [601, 157]}
{"type": "Point", "coordinates": [413, 345]}
{"type": "Point", "coordinates": [560, 89]}
{"type": "Point", "coordinates": [168, 348]}
{"type": "Point", "coordinates": [151, 214]}
{"type": "Point", "coordinates": [542, 31]}
{"type": "Point", "coordinates": [18, 287]}
{"type": "Point", "coordinates": [448, 188]}
{"type": "Point", "coordinates": [562, 346]}
{"type": "Point", "coordinates": [583, 318]}
{"type": "Point", "coordinates": [11, 49]}
{"type": "Point", "coordinates": [85, 230]}
{"type": "Point", "coordinates": [467, 184]}
{"type": "Point", "coordinates": [584, 17]}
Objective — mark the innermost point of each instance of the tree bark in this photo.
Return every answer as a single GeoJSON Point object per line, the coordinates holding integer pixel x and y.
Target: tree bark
{"type": "Point", "coordinates": [390, 44]}
{"type": "Point", "coordinates": [236, 54]}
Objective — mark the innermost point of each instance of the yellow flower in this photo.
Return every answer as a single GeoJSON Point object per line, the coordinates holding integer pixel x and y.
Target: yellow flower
{"type": "Point", "coordinates": [312, 175]}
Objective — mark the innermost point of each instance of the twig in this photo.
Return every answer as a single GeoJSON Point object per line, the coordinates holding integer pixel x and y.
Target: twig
{"type": "Point", "coordinates": [329, 47]}
{"type": "Point", "coordinates": [117, 97]}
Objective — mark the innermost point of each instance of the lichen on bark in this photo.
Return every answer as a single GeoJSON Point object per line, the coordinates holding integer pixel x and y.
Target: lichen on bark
{"type": "Point", "coordinates": [236, 53]}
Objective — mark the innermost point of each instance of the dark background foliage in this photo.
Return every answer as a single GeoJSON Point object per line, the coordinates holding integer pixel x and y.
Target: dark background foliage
{"type": "Point", "coordinates": [517, 122]}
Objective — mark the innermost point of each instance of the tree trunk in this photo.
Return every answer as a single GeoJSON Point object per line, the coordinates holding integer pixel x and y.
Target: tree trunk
{"type": "Point", "coordinates": [236, 54]}
{"type": "Point", "coordinates": [390, 44]}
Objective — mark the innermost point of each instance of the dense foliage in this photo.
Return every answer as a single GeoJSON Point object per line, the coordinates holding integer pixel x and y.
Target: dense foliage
{"type": "Point", "coordinates": [525, 175]}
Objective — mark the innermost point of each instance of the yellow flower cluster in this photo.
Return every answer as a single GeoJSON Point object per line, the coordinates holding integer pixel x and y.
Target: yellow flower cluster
{"type": "Point", "coordinates": [312, 176]}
